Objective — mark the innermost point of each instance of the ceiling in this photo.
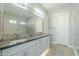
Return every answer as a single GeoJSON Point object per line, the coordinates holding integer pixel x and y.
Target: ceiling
{"type": "Point", "coordinates": [9, 8]}
{"type": "Point", "coordinates": [28, 12]}
{"type": "Point", "coordinates": [51, 6]}
{"type": "Point", "coordinates": [48, 6]}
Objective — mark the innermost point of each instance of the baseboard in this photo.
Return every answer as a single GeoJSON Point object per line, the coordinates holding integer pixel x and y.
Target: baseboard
{"type": "Point", "coordinates": [59, 44]}
{"type": "Point", "coordinates": [54, 43]}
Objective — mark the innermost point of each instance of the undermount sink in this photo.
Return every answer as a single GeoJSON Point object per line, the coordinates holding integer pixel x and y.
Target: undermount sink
{"type": "Point", "coordinates": [17, 41]}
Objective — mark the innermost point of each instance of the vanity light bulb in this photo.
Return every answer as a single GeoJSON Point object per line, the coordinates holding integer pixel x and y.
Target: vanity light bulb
{"type": "Point", "coordinates": [22, 23]}
{"type": "Point", "coordinates": [12, 21]}
{"type": "Point", "coordinates": [39, 11]}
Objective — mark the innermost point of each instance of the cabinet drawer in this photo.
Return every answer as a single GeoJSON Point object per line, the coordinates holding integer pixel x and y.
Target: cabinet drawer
{"type": "Point", "coordinates": [18, 53]}
{"type": "Point", "coordinates": [16, 48]}
{"type": "Point", "coordinates": [10, 51]}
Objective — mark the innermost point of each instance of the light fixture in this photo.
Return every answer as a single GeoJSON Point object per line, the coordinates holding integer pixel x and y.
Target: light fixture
{"type": "Point", "coordinates": [39, 11]}
{"type": "Point", "coordinates": [22, 23]}
{"type": "Point", "coordinates": [12, 21]}
{"type": "Point", "coordinates": [38, 14]}
{"type": "Point", "coordinates": [21, 5]}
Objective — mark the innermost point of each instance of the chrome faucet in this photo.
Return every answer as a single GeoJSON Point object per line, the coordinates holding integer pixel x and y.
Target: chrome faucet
{"type": "Point", "coordinates": [15, 36]}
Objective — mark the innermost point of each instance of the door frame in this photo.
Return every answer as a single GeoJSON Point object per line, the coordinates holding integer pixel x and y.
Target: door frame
{"type": "Point", "coordinates": [67, 27]}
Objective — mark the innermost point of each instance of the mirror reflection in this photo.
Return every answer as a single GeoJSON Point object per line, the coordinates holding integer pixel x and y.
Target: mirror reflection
{"type": "Point", "coordinates": [20, 22]}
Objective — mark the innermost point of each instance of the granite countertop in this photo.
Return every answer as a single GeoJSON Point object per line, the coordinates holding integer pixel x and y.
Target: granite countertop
{"type": "Point", "coordinates": [7, 44]}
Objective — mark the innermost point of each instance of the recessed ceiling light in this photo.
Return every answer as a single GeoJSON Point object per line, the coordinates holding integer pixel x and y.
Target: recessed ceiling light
{"type": "Point", "coordinates": [12, 21]}
{"type": "Point", "coordinates": [39, 11]}
{"type": "Point", "coordinates": [22, 23]}
{"type": "Point", "coordinates": [21, 5]}
{"type": "Point", "coordinates": [38, 14]}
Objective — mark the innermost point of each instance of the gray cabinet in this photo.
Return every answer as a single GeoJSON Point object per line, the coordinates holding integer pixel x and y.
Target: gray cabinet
{"type": "Point", "coordinates": [18, 53]}
{"type": "Point", "coordinates": [32, 48]}
{"type": "Point", "coordinates": [38, 50]}
{"type": "Point", "coordinates": [29, 51]}
{"type": "Point", "coordinates": [0, 52]}
{"type": "Point", "coordinates": [42, 45]}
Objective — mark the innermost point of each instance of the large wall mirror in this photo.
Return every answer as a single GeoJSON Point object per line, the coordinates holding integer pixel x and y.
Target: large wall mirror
{"type": "Point", "coordinates": [20, 22]}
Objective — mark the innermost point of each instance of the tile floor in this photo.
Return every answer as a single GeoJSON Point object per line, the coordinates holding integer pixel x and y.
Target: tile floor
{"type": "Point", "coordinates": [60, 50]}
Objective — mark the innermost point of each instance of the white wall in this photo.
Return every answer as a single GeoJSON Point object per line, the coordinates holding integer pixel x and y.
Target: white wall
{"type": "Point", "coordinates": [74, 27]}
{"type": "Point", "coordinates": [52, 19]}
{"type": "Point", "coordinates": [73, 23]}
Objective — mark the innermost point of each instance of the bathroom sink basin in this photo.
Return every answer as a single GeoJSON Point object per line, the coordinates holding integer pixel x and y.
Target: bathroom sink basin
{"type": "Point", "coordinates": [17, 41]}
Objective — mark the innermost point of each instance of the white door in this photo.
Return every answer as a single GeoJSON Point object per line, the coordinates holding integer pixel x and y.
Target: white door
{"type": "Point", "coordinates": [62, 28]}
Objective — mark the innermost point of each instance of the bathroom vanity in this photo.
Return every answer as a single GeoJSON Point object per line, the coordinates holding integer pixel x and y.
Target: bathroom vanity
{"type": "Point", "coordinates": [34, 46]}
{"type": "Point", "coordinates": [24, 30]}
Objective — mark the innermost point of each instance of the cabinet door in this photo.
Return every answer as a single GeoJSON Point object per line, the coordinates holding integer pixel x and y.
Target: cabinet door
{"type": "Point", "coordinates": [38, 49]}
{"type": "Point", "coordinates": [29, 51]}
{"type": "Point", "coordinates": [42, 45]}
{"type": "Point", "coordinates": [47, 41]}
{"type": "Point", "coordinates": [13, 50]}
{"type": "Point", "coordinates": [0, 52]}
